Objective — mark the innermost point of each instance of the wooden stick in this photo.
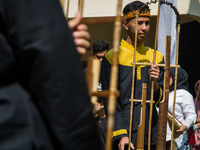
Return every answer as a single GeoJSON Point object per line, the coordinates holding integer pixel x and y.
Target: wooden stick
{"type": "Point", "coordinates": [163, 105]}
{"type": "Point", "coordinates": [113, 78]}
{"type": "Point", "coordinates": [153, 81]}
{"type": "Point", "coordinates": [175, 83]}
{"type": "Point", "coordinates": [80, 7]}
{"type": "Point", "coordinates": [141, 127]}
{"type": "Point", "coordinates": [133, 83]}
{"type": "Point", "coordinates": [67, 10]}
{"type": "Point", "coordinates": [159, 65]}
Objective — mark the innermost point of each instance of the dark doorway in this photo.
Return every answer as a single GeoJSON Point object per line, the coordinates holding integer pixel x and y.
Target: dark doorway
{"type": "Point", "coordinates": [189, 52]}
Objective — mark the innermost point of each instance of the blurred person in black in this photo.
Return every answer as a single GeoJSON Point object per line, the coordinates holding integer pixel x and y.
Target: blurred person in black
{"type": "Point", "coordinates": [43, 95]}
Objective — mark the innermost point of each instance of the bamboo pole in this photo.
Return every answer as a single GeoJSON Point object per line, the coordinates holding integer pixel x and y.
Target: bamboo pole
{"type": "Point", "coordinates": [133, 81]}
{"type": "Point", "coordinates": [163, 105]}
{"type": "Point", "coordinates": [113, 78]}
{"type": "Point", "coordinates": [141, 127]}
{"type": "Point", "coordinates": [153, 81]}
{"type": "Point", "coordinates": [89, 75]}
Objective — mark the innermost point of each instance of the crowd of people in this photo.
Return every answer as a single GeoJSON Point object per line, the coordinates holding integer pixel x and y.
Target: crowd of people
{"type": "Point", "coordinates": [44, 98]}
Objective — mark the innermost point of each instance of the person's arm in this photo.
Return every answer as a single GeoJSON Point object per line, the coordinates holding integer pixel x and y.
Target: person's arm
{"type": "Point", "coordinates": [188, 108]}
{"type": "Point", "coordinates": [124, 141]}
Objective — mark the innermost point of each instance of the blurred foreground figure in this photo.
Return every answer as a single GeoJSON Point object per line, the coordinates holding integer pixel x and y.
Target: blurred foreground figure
{"type": "Point", "coordinates": [44, 103]}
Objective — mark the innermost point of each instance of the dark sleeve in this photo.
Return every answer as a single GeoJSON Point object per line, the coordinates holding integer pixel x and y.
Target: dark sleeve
{"type": "Point", "coordinates": [119, 130]}
{"type": "Point", "coordinates": [49, 68]}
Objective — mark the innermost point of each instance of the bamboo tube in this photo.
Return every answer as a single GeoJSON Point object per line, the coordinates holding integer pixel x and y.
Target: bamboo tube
{"type": "Point", "coordinates": [163, 105]}
{"type": "Point", "coordinates": [113, 78]}
{"type": "Point", "coordinates": [92, 78]}
{"type": "Point", "coordinates": [141, 127]}
{"type": "Point", "coordinates": [89, 75]}
{"type": "Point", "coordinates": [133, 79]}
{"type": "Point", "coordinates": [153, 82]}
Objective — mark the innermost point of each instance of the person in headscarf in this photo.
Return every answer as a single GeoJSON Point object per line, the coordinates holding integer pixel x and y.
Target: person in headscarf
{"type": "Point", "coordinates": [196, 127]}
{"type": "Point", "coordinates": [184, 108]}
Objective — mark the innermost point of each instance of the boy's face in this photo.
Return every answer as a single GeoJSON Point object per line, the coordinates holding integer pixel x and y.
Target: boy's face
{"type": "Point", "coordinates": [99, 55]}
{"type": "Point", "coordinates": [143, 28]}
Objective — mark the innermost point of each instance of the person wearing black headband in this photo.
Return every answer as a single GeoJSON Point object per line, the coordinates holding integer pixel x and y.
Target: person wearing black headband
{"type": "Point", "coordinates": [143, 74]}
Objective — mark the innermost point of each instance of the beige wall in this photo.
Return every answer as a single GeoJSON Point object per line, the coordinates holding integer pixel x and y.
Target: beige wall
{"type": "Point", "coordinates": [189, 10]}
{"type": "Point", "coordinates": [99, 8]}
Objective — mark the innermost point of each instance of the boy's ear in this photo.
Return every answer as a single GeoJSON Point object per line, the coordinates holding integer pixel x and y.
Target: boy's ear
{"type": "Point", "coordinates": [125, 25]}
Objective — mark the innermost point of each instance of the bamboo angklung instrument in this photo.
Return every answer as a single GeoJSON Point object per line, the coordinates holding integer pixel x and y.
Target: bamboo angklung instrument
{"type": "Point", "coordinates": [133, 77]}
{"type": "Point", "coordinates": [176, 64]}
{"type": "Point", "coordinates": [133, 83]}
{"type": "Point", "coordinates": [163, 105]}
{"type": "Point", "coordinates": [113, 78]}
{"type": "Point", "coordinates": [141, 127]}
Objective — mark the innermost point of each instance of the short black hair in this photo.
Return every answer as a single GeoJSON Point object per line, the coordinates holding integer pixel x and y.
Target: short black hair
{"type": "Point", "coordinates": [134, 6]}
{"type": "Point", "coordinates": [100, 46]}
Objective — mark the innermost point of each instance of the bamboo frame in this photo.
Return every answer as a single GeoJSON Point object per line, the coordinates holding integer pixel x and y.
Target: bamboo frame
{"type": "Point", "coordinates": [133, 79]}
{"type": "Point", "coordinates": [113, 78]}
